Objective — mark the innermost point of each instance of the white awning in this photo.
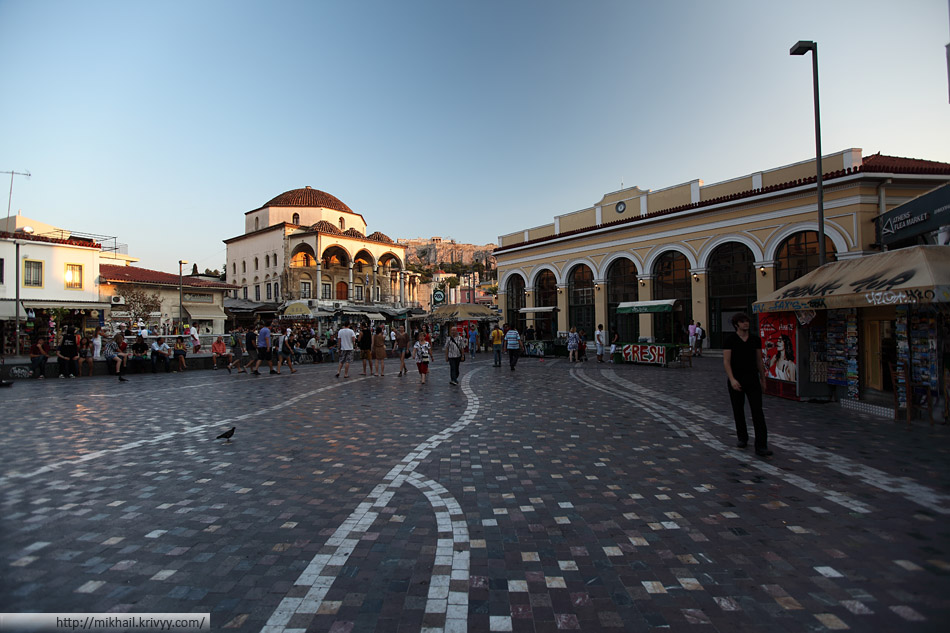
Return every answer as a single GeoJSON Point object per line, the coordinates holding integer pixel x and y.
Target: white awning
{"type": "Point", "coordinates": [540, 309]}
{"type": "Point", "coordinates": [205, 313]}
{"type": "Point", "coordinates": [8, 310]}
{"type": "Point", "coordinates": [375, 316]}
{"type": "Point", "coordinates": [74, 305]}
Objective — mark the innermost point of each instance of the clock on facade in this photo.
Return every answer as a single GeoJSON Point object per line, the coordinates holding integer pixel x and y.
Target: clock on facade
{"type": "Point", "coordinates": [621, 207]}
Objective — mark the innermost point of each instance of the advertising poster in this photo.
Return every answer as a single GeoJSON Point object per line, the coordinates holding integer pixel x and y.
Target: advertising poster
{"type": "Point", "coordinates": [777, 330]}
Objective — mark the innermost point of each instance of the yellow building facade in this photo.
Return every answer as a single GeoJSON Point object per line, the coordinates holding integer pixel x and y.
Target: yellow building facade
{"type": "Point", "coordinates": [715, 248]}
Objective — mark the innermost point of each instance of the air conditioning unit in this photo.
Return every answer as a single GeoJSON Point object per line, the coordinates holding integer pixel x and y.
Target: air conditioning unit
{"type": "Point", "coordinates": [118, 301]}
{"type": "Point", "coordinates": [337, 305]}
{"type": "Point", "coordinates": [309, 303]}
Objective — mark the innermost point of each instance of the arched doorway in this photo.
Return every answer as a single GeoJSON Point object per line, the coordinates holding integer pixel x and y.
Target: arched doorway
{"type": "Point", "coordinates": [798, 256]}
{"type": "Point", "coordinates": [514, 301]}
{"type": "Point", "coordinates": [545, 296]}
{"type": "Point", "coordinates": [341, 291]}
{"type": "Point", "coordinates": [580, 299]}
{"type": "Point", "coordinates": [731, 275]}
{"type": "Point", "coordinates": [671, 280]}
{"type": "Point", "coordinates": [621, 287]}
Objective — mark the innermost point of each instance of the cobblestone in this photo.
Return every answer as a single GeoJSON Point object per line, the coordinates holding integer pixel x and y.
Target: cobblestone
{"type": "Point", "coordinates": [558, 497]}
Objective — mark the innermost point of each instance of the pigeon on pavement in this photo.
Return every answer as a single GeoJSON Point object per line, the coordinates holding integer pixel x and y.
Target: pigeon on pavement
{"type": "Point", "coordinates": [226, 435]}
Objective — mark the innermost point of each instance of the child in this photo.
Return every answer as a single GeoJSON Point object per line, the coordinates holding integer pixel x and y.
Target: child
{"type": "Point", "coordinates": [420, 352]}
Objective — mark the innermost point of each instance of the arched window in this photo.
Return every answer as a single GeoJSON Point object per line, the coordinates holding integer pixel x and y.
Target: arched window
{"type": "Point", "coordinates": [581, 300]}
{"type": "Point", "coordinates": [243, 266]}
{"type": "Point", "coordinates": [302, 259]}
{"type": "Point", "coordinates": [515, 300]}
{"type": "Point", "coordinates": [296, 218]}
{"type": "Point", "coordinates": [798, 255]}
{"type": "Point", "coordinates": [672, 281]}
{"type": "Point", "coordinates": [266, 261]}
{"type": "Point", "coordinates": [234, 267]}
{"type": "Point", "coordinates": [276, 292]}
{"type": "Point", "coordinates": [257, 224]}
{"type": "Point", "coordinates": [621, 287]}
{"type": "Point", "coordinates": [731, 278]}
{"type": "Point", "coordinates": [342, 224]}
{"type": "Point", "coordinates": [545, 295]}
{"type": "Point", "coordinates": [256, 264]}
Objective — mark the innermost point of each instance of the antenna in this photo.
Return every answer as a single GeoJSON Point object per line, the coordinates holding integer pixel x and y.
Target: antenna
{"type": "Point", "coordinates": [10, 198]}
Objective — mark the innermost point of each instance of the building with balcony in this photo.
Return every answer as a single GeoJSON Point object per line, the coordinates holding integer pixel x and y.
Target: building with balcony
{"type": "Point", "coordinates": [307, 245]}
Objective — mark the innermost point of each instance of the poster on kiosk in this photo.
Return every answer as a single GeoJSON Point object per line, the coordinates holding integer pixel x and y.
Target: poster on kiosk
{"type": "Point", "coordinates": [777, 330]}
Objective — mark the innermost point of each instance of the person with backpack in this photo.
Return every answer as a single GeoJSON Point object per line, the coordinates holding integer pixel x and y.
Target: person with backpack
{"type": "Point", "coordinates": [237, 342]}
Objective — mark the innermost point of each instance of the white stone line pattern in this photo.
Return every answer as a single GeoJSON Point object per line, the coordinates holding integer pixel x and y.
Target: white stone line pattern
{"type": "Point", "coordinates": [628, 391]}
{"type": "Point", "coordinates": [452, 556]}
{"type": "Point", "coordinates": [323, 568]}
{"type": "Point", "coordinates": [903, 486]}
{"type": "Point", "coordinates": [159, 439]}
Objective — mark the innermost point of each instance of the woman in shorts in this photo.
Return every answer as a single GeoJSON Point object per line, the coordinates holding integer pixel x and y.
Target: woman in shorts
{"type": "Point", "coordinates": [421, 353]}
{"type": "Point", "coordinates": [181, 353]}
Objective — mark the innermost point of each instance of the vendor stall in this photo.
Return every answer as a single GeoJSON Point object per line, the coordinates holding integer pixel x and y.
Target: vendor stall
{"type": "Point", "coordinates": [646, 351]}
{"type": "Point", "coordinates": [539, 324]}
{"type": "Point", "coordinates": [871, 332]}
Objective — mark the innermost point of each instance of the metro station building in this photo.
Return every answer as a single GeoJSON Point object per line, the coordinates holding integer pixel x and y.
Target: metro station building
{"type": "Point", "coordinates": [714, 248]}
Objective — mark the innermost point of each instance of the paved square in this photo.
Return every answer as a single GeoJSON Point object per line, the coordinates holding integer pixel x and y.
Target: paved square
{"type": "Point", "coordinates": [585, 497]}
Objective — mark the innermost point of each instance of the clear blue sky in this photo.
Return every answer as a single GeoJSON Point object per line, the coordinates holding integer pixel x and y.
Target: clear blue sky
{"type": "Point", "coordinates": [162, 123]}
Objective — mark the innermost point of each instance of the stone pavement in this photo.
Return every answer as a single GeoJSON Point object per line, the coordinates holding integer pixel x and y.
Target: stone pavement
{"type": "Point", "coordinates": [558, 497]}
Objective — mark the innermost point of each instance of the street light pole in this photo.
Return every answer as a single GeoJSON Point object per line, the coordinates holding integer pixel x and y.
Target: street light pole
{"type": "Point", "coordinates": [801, 48]}
{"type": "Point", "coordinates": [181, 262]}
{"type": "Point", "coordinates": [16, 301]}
{"type": "Point", "coordinates": [10, 198]}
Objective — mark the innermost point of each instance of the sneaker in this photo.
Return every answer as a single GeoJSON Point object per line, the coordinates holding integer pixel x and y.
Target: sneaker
{"type": "Point", "coordinates": [229, 369]}
{"type": "Point", "coordinates": [62, 376]}
{"type": "Point", "coordinates": [215, 368]}
{"type": "Point", "coordinates": [256, 373]}
{"type": "Point", "coordinates": [72, 375]}
{"type": "Point", "coordinates": [338, 374]}
{"type": "Point", "coordinates": [121, 379]}
{"type": "Point", "coordinates": [763, 452]}
{"type": "Point", "coordinates": [274, 372]}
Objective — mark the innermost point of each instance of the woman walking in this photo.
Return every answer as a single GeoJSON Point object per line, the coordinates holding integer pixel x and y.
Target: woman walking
{"type": "Point", "coordinates": [573, 342]}
{"type": "Point", "coordinates": [421, 354]}
{"type": "Point", "coordinates": [401, 347]}
{"type": "Point", "coordinates": [379, 352]}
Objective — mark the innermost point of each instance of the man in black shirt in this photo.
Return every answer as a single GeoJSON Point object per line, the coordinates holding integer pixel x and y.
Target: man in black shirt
{"type": "Point", "coordinates": [742, 358]}
{"type": "Point", "coordinates": [365, 343]}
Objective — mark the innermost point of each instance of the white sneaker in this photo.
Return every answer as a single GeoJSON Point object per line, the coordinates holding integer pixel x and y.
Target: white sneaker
{"type": "Point", "coordinates": [62, 376]}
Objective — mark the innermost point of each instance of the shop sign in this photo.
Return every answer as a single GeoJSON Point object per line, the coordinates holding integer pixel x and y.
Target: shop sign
{"type": "Point", "coordinates": [198, 298]}
{"type": "Point", "coordinates": [777, 330]}
{"type": "Point", "coordinates": [650, 354]}
{"type": "Point", "coordinates": [919, 216]}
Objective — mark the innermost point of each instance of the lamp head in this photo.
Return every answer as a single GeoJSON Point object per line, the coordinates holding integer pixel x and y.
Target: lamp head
{"type": "Point", "coordinates": [802, 47]}
{"type": "Point", "coordinates": [182, 262]}
{"type": "Point", "coordinates": [27, 229]}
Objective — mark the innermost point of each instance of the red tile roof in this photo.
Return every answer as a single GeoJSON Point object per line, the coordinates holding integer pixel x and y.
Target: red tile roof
{"type": "Point", "coordinates": [73, 241]}
{"type": "Point", "coordinates": [873, 164]}
{"type": "Point", "coordinates": [133, 274]}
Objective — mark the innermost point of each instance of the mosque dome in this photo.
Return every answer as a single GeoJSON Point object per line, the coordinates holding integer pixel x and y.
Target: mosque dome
{"type": "Point", "coordinates": [353, 233]}
{"type": "Point", "coordinates": [308, 197]}
{"type": "Point", "coordinates": [380, 237]}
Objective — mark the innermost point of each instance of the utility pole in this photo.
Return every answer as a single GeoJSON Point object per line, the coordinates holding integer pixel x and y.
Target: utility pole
{"type": "Point", "coordinates": [10, 198]}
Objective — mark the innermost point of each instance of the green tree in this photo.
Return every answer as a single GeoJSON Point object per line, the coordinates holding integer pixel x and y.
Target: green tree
{"type": "Point", "coordinates": [139, 302]}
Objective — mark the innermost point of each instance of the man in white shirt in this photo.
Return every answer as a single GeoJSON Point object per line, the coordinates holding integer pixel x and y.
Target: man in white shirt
{"type": "Point", "coordinates": [600, 339]}
{"type": "Point", "coordinates": [345, 339]}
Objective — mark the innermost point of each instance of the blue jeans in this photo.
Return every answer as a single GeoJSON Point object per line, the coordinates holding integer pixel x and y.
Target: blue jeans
{"type": "Point", "coordinates": [497, 351]}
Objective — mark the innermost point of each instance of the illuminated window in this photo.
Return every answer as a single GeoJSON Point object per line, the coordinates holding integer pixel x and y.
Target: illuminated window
{"type": "Point", "coordinates": [74, 276]}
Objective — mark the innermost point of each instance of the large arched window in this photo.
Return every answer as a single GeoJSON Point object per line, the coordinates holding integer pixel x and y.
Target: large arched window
{"type": "Point", "coordinates": [731, 275]}
{"type": "Point", "coordinates": [622, 287]}
{"type": "Point", "coordinates": [671, 280]}
{"type": "Point", "coordinates": [514, 301]}
{"type": "Point", "coordinates": [296, 218]}
{"type": "Point", "coordinates": [302, 259]}
{"type": "Point", "coordinates": [798, 255]}
{"type": "Point", "coordinates": [545, 295]}
{"type": "Point", "coordinates": [580, 306]}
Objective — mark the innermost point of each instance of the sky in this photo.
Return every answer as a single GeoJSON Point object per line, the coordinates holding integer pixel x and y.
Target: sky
{"type": "Point", "coordinates": [162, 123]}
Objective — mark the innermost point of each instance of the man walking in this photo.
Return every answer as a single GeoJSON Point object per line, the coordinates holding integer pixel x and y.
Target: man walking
{"type": "Point", "coordinates": [345, 339]}
{"type": "Point", "coordinates": [497, 340]}
{"type": "Point", "coordinates": [472, 341]}
{"type": "Point", "coordinates": [263, 351]}
{"type": "Point", "coordinates": [600, 339]}
{"type": "Point", "coordinates": [454, 354]}
{"type": "Point", "coordinates": [515, 346]}
{"type": "Point", "coordinates": [742, 359]}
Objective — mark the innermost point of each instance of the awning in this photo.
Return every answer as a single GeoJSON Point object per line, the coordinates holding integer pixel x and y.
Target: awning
{"type": "Point", "coordinates": [205, 313]}
{"type": "Point", "coordinates": [72, 305]}
{"type": "Point", "coordinates": [375, 316]}
{"type": "Point", "coordinates": [462, 312]}
{"type": "Point", "coordinates": [298, 309]}
{"type": "Point", "coordinates": [919, 274]}
{"type": "Point", "coordinates": [539, 309]}
{"type": "Point", "coordinates": [640, 307]}
{"type": "Point", "coordinates": [8, 310]}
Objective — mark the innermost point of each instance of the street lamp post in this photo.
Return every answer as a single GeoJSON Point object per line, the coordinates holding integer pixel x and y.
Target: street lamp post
{"type": "Point", "coordinates": [16, 330]}
{"type": "Point", "coordinates": [801, 48]}
{"type": "Point", "coordinates": [181, 262]}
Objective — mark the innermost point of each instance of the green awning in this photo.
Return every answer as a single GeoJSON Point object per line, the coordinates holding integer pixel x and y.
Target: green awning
{"type": "Point", "coordinates": [640, 307]}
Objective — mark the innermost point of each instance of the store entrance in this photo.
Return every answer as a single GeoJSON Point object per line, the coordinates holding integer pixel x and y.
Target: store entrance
{"type": "Point", "coordinates": [880, 350]}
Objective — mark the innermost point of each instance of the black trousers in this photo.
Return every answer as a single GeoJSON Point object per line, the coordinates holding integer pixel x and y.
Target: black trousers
{"type": "Point", "coordinates": [752, 390]}
{"type": "Point", "coordinates": [513, 355]}
{"type": "Point", "coordinates": [454, 368]}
